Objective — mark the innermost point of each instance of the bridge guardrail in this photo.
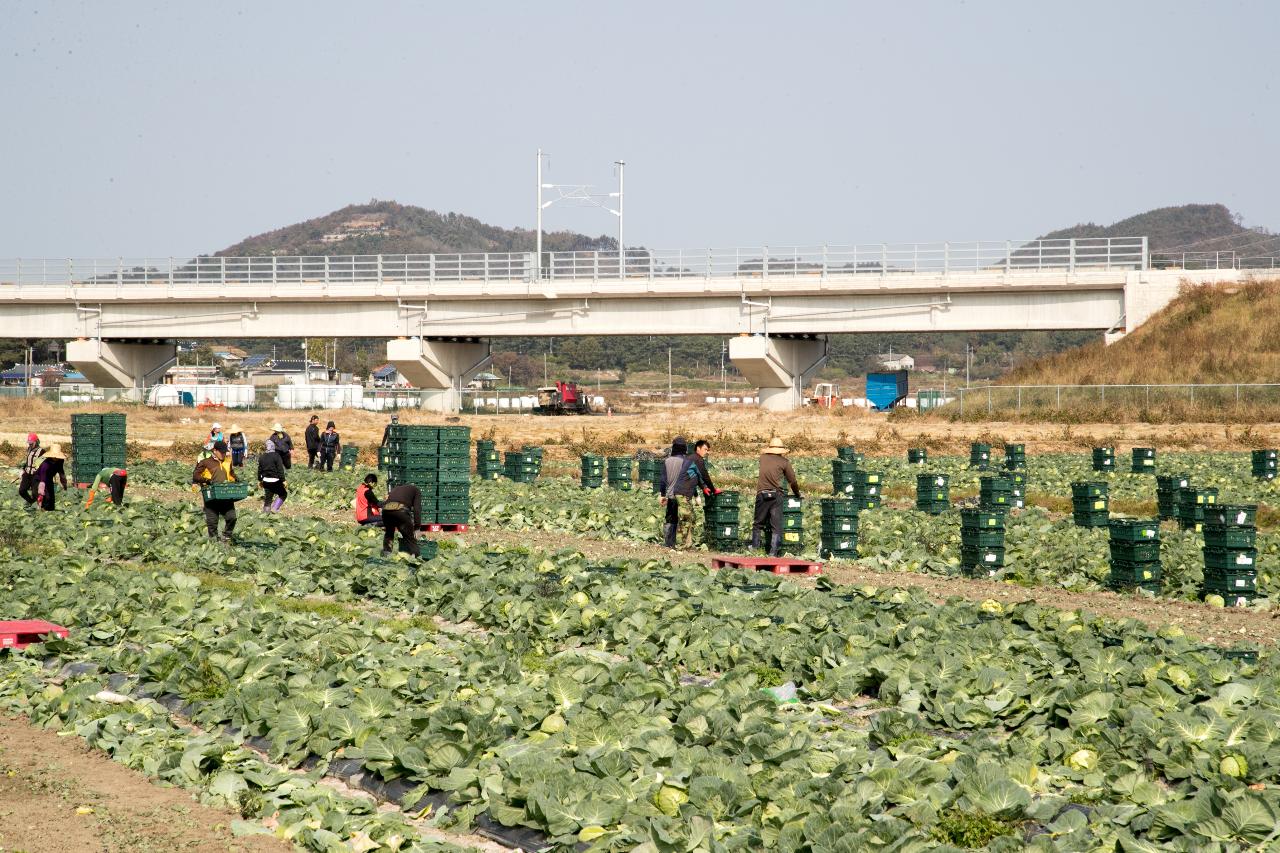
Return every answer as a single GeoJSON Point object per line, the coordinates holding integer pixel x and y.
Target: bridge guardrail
{"type": "Point", "coordinates": [994, 399]}
{"type": "Point", "coordinates": [767, 262]}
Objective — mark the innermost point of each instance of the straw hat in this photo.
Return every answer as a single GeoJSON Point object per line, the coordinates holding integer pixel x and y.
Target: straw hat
{"type": "Point", "coordinates": [54, 452]}
{"type": "Point", "coordinates": [278, 427]}
{"type": "Point", "coordinates": [235, 428]}
{"type": "Point", "coordinates": [776, 446]}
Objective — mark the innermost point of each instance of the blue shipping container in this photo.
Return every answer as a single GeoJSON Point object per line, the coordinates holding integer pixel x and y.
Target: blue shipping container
{"type": "Point", "coordinates": [886, 390]}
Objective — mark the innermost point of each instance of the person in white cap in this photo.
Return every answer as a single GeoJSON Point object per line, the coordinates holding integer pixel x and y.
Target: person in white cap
{"type": "Point", "coordinates": [770, 491]}
{"type": "Point", "coordinates": [284, 444]}
{"type": "Point", "coordinates": [215, 432]}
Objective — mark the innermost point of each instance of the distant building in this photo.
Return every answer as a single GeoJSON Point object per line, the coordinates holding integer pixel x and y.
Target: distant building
{"type": "Point", "coordinates": [37, 376]}
{"type": "Point", "coordinates": [897, 362]}
{"type": "Point", "coordinates": [484, 382]}
{"type": "Point", "coordinates": [386, 376]}
{"type": "Point", "coordinates": [289, 372]}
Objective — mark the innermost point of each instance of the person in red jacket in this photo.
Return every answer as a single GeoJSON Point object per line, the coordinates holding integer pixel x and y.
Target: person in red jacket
{"type": "Point", "coordinates": [368, 510]}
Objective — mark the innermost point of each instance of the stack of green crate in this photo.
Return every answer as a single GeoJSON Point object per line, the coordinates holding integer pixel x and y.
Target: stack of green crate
{"type": "Point", "coordinates": [1230, 553]}
{"type": "Point", "coordinates": [792, 525]}
{"type": "Point", "coordinates": [839, 535]}
{"type": "Point", "coordinates": [842, 471]}
{"type": "Point", "coordinates": [592, 471]}
{"type": "Point", "coordinates": [863, 488]}
{"type": "Point", "coordinates": [1264, 464]}
{"type": "Point", "coordinates": [1144, 460]}
{"type": "Point", "coordinates": [848, 454]}
{"type": "Point", "coordinates": [453, 477]}
{"type": "Point", "coordinates": [995, 494]}
{"type": "Point", "coordinates": [981, 542]}
{"type": "Point", "coordinates": [350, 456]}
{"type": "Point", "coordinates": [722, 530]}
{"type": "Point", "coordinates": [648, 470]}
{"type": "Point", "coordinates": [97, 442]}
{"type": "Point", "coordinates": [1018, 496]}
{"type": "Point", "coordinates": [933, 493]}
{"type": "Point", "coordinates": [917, 455]}
{"type": "Point", "coordinates": [1191, 504]}
{"type": "Point", "coordinates": [619, 472]}
{"type": "Point", "coordinates": [488, 460]}
{"type": "Point", "coordinates": [534, 452]}
{"type": "Point", "coordinates": [1015, 457]}
{"type": "Point", "coordinates": [1135, 554]}
{"type": "Point", "coordinates": [1090, 504]}
{"type": "Point", "coordinates": [1167, 486]}
{"type": "Point", "coordinates": [979, 455]}
{"type": "Point", "coordinates": [520, 466]}
{"type": "Point", "coordinates": [1104, 459]}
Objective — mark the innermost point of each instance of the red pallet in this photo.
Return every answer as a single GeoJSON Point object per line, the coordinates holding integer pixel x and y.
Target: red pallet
{"type": "Point", "coordinates": [20, 633]}
{"type": "Point", "coordinates": [445, 528]}
{"type": "Point", "coordinates": [777, 565]}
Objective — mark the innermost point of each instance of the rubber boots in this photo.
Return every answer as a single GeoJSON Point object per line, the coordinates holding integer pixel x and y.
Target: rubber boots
{"type": "Point", "coordinates": [775, 544]}
{"type": "Point", "coordinates": [755, 540]}
{"type": "Point", "coordinates": [669, 535]}
{"type": "Point", "coordinates": [277, 503]}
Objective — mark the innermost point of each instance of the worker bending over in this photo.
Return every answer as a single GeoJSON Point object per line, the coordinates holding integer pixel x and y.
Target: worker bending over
{"type": "Point", "coordinates": [402, 512]}
{"type": "Point", "coordinates": [116, 479]}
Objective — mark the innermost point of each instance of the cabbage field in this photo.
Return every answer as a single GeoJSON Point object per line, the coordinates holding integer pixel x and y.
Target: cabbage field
{"type": "Point", "coordinates": [558, 701]}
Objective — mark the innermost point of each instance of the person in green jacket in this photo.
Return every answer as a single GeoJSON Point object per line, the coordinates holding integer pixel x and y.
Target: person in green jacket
{"type": "Point", "coordinates": [116, 478]}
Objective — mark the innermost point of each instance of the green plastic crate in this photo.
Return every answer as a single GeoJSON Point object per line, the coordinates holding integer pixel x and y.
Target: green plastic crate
{"type": "Point", "coordinates": [1231, 559]}
{"type": "Point", "coordinates": [1222, 536]}
{"type": "Point", "coordinates": [225, 491]}
{"type": "Point", "coordinates": [1089, 489]}
{"type": "Point", "coordinates": [987, 556]}
{"type": "Point", "coordinates": [937, 507]}
{"type": "Point", "coordinates": [1135, 552]}
{"type": "Point", "coordinates": [978, 537]}
{"type": "Point", "coordinates": [1221, 581]}
{"type": "Point", "coordinates": [1237, 515]}
{"type": "Point", "coordinates": [917, 455]}
{"type": "Point", "coordinates": [1134, 530]}
{"type": "Point", "coordinates": [1091, 519]}
{"type": "Point", "coordinates": [981, 518]}
{"type": "Point", "coordinates": [1135, 571]}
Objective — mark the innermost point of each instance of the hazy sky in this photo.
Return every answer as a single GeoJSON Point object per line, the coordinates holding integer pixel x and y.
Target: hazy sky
{"type": "Point", "coordinates": [169, 128]}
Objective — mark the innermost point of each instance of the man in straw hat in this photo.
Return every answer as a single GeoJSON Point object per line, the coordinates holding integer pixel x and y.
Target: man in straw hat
{"type": "Point", "coordinates": [774, 467]}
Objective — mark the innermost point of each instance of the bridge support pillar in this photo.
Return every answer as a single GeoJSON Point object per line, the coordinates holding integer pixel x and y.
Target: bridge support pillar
{"type": "Point", "coordinates": [119, 364]}
{"type": "Point", "coordinates": [443, 364]}
{"type": "Point", "coordinates": [779, 366]}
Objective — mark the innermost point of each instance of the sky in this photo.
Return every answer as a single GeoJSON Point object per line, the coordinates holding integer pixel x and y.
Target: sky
{"type": "Point", "coordinates": [166, 129]}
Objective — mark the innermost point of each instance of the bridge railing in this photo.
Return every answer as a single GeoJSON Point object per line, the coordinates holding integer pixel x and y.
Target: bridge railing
{"type": "Point", "coordinates": [766, 262]}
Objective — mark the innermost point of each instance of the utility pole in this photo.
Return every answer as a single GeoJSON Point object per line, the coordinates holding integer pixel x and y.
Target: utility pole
{"type": "Point", "coordinates": [669, 394]}
{"type": "Point", "coordinates": [622, 248]}
{"type": "Point", "coordinates": [538, 251]}
{"type": "Point", "coordinates": [968, 361]}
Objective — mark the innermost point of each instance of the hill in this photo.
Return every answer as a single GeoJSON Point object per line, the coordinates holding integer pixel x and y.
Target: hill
{"type": "Point", "coordinates": [390, 228]}
{"type": "Point", "coordinates": [1190, 228]}
{"type": "Point", "coordinates": [1224, 333]}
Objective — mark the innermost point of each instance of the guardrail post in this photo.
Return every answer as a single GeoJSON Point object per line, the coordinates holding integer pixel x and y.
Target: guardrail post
{"type": "Point", "coordinates": [946, 257]}
{"type": "Point", "coordinates": [326, 269]}
{"type": "Point", "coordinates": [222, 269]}
{"type": "Point", "coordinates": [431, 267]}
{"type": "Point", "coordinates": [379, 269]}
{"type": "Point", "coordinates": [824, 261]}
{"type": "Point", "coordinates": [765, 263]}
{"type": "Point", "coordinates": [1071, 254]}
{"type": "Point", "coordinates": [171, 273]}
{"type": "Point", "coordinates": [884, 259]}
{"type": "Point", "coordinates": [1146, 259]}
{"type": "Point", "coordinates": [119, 272]}
{"type": "Point", "coordinates": [1008, 255]}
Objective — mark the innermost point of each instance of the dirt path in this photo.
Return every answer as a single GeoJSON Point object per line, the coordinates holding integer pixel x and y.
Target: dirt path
{"type": "Point", "coordinates": [57, 795]}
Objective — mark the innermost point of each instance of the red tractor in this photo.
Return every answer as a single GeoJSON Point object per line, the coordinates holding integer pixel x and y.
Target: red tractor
{"type": "Point", "coordinates": [563, 398]}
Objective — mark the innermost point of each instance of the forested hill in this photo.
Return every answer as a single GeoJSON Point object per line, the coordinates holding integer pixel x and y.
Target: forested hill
{"type": "Point", "coordinates": [1185, 228]}
{"type": "Point", "coordinates": [389, 228]}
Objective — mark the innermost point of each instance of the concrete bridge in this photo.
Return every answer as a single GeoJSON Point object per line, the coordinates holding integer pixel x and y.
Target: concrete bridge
{"type": "Point", "coordinates": [121, 317]}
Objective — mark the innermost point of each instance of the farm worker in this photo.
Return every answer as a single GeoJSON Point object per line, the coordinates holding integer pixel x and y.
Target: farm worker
{"type": "Point", "coordinates": [51, 467]}
{"type": "Point", "coordinates": [116, 479]}
{"type": "Point", "coordinates": [368, 510]}
{"type": "Point", "coordinates": [330, 446]}
{"type": "Point", "coordinates": [667, 481]}
{"type": "Point", "coordinates": [27, 488]}
{"type": "Point", "coordinates": [237, 444]}
{"type": "Point", "coordinates": [312, 437]}
{"type": "Point", "coordinates": [402, 512]}
{"type": "Point", "coordinates": [284, 444]}
{"type": "Point", "coordinates": [217, 469]}
{"type": "Point", "coordinates": [271, 476]}
{"type": "Point", "coordinates": [215, 432]}
{"type": "Point", "coordinates": [694, 482]}
{"type": "Point", "coordinates": [206, 451]}
{"type": "Point", "coordinates": [386, 430]}
{"type": "Point", "coordinates": [774, 467]}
